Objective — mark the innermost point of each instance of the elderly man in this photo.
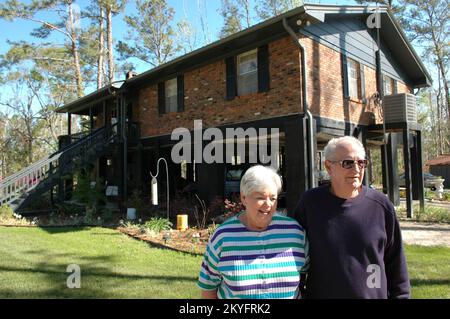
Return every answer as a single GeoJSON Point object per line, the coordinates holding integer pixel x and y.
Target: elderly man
{"type": "Point", "coordinates": [355, 242]}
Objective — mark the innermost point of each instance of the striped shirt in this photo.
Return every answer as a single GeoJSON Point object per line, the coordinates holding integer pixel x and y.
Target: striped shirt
{"type": "Point", "coordinates": [241, 263]}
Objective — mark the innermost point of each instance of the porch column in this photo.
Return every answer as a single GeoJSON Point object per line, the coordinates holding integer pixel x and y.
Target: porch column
{"type": "Point", "coordinates": [418, 153]}
{"type": "Point", "coordinates": [407, 160]}
{"type": "Point", "coordinates": [296, 163]}
{"type": "Point", "coordinates": [392, 169]}
{"type": "Point", "coordinates": [69, 123]}
{"type": "Point", "coordinates": [91, 120]}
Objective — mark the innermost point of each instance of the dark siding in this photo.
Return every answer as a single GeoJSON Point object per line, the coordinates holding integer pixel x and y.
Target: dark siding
{"type": "Point", "coordinates": [352, 37]}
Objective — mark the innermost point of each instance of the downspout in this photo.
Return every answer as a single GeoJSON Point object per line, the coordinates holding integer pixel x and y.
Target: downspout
{"type": "Point", "coordinates": [306, 111]}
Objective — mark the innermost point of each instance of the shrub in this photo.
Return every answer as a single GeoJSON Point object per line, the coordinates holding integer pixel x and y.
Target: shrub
{"type": "Point", "coordinates": [6, 212]}
{"type": "Point", "coordinates": [431, 214]}
{"type": "Point", "coordinates": [157, 225]}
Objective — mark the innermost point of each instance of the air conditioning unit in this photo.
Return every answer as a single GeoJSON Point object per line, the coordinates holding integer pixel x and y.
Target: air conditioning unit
{"type": "Point", "coordinates": [400, 108]}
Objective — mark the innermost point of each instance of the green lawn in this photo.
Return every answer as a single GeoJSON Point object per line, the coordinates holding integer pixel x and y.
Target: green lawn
{"type": "Point", "coordinates": [33, 264]}
{"type": "Point", "coordinates": [429, 271]}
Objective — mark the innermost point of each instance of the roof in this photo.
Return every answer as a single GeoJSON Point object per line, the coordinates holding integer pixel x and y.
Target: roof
{"type": "Point", "coordinates": [392, 35]}
{"type": "Point", "coordinates": [95, 97]}
{"type": "Point", "coordinates": [440, 160]}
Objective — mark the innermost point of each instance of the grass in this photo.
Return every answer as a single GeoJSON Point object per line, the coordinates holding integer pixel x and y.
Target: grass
{"type": "Point", "coordinates": [34, 260]}
{"type": "Point", "coordinates": [429, 271]}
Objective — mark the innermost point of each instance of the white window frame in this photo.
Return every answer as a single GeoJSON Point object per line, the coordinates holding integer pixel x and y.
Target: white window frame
{"type": "Point", "coordinates": [171, 95]}
{"type": "Point", "coordinates": [388, 85]}
{"type": "Point", "coordinates": [247, 73]}
{"type": "Point", "coordinates": [354, 78]}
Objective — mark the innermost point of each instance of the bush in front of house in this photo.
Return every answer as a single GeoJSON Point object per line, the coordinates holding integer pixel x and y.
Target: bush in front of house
{"type": "Point", "coordinates": [156, 225]}
{"type": "Point", "coordinates": [430, 214]}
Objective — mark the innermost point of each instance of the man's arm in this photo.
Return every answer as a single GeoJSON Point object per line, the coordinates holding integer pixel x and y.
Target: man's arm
{"type": "Point", "coordinates": [395, 263]}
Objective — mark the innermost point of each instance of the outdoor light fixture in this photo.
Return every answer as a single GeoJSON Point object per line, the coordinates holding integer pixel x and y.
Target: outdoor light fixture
{"type": "Point", "coordinates": [154, 184]}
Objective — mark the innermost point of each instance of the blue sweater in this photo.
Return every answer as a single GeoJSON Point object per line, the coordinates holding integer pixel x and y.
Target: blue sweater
{"type": "Point", "coordinates": [356, 247]}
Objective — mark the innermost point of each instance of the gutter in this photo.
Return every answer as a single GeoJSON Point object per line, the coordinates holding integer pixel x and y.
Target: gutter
{"type": "Point", "coordinates": [310, 132]}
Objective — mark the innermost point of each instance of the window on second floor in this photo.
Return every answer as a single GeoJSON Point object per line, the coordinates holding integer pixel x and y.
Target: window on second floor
{"type": "Point", "coordinates": [247, 73]}
{"type": "Point", "coordinates": [171, 95]}
{"type": "Point", "coordinates": [389, 85]}
{"type": "Point", "coordinates": [354, 79]}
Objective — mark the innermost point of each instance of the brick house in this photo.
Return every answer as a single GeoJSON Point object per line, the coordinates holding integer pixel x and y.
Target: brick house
{"type": "Point", "coordinates": [312, 73]}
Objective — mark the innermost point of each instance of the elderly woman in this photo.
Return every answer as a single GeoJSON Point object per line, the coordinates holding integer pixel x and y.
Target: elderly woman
{"type": "Point", "coordinates": [257, 253]}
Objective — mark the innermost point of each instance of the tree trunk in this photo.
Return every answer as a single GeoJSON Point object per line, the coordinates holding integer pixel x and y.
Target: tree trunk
{"type": "Point", "coordinates": [75, 54]}
{"type": "Point", "coordinates": [110, 43]}
{"type": "Point", "coordinates": [100, 49]}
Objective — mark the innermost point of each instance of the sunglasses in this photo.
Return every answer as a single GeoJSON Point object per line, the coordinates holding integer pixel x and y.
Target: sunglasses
{"type": "Point", "coordinates": [348, 164]}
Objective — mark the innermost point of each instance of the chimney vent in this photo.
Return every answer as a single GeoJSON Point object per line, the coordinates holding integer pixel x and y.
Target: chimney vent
{"type": "Point", "coordinates": [130, 74]}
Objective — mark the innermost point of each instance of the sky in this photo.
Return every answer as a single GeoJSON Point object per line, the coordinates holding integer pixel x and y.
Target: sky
{"type": "Point", "coordinates": [188, 9]}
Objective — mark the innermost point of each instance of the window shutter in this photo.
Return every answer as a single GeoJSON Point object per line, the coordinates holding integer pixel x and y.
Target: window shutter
{"type": "Point", "coordinates": [344, 75]}
{"type": "Point", "coordinates": [394, 89]}
{"type": "Point", "coordinates": [231, 77]}
{"type": "Point", "coordinates": [363, 82]}
{"type": "Point", "coordinates": [161, 98]}
{"type": "Point", "coordinates": [263, 69]}
{"type": "Point", "coordinates": [180, 93]}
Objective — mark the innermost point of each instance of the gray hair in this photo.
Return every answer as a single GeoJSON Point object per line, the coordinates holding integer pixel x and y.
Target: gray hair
{"type": "Point", "coordinates": [258, 177]}
{"type": "Point", "coordinates": [330, 150]}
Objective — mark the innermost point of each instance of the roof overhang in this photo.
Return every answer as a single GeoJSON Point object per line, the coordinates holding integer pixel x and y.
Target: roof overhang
{"type": "Point", "coordinates": [79, 106]}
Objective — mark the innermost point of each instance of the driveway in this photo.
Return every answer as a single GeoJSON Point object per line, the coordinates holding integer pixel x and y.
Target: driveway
{"type": "Point", "coordinates": [425, 234]}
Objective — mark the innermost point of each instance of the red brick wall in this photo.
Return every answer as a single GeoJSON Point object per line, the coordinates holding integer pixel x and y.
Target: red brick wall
{"type": "Point", "coordinates": [205, 91]}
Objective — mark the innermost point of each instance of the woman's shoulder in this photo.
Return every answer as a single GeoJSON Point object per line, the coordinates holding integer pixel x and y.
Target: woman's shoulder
{"type": "Point", "coordinates": [285, 220]}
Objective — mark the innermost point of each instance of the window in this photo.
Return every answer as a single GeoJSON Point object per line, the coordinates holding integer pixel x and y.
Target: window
{"type": "Point", "coordinates": [247, 72]}
{"type": "Point", "coordinates": [171, 96]}
{"type": "Point", "coordinates": [388, 85]}
{"type": "Point", "coordinates": [354, 79]}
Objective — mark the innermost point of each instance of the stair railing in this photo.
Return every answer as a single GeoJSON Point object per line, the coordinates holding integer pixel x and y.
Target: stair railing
{"type": "Point", "coordinates": [28, 178]}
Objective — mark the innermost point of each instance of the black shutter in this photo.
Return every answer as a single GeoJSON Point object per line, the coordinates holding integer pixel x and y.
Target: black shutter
{"type": "Point", "coordinates": [344, 75]}
{"type": "Point", "coordinates": [231, 77]}
{"type": "Point", "coordinates": [180, 93]}
{"type": "Point", "coordinates": [161, 98]}
{"type": "Point", "coordinates": [363, 82]}
{"type": "Point", "coordinates": [263, 69]}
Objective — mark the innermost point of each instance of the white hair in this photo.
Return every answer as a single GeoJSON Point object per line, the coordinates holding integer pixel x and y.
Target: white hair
{"type": "Point", "coordinates": [258, 177]}
{"type": "Point", "coordinates": [333, 144]}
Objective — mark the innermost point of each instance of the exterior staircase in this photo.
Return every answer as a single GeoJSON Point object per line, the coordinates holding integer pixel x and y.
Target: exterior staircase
{"type": "Point", "coordinates": [22, 188]}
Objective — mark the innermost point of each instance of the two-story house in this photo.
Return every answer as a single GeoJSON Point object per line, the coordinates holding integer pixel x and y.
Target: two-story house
{"type": "Point", "coordinates": [297, 80]}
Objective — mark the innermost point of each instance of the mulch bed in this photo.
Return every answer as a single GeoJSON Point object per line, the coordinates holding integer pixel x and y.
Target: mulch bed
{"type": "Point", "coordinates": [189, 241]}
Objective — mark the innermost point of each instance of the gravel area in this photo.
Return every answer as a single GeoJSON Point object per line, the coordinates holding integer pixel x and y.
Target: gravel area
{"type": "Point", "coordinates": [425, 234]}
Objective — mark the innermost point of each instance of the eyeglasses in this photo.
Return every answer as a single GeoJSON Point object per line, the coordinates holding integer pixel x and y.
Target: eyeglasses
{"type": "Point", "coordinates": [348, 164]}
